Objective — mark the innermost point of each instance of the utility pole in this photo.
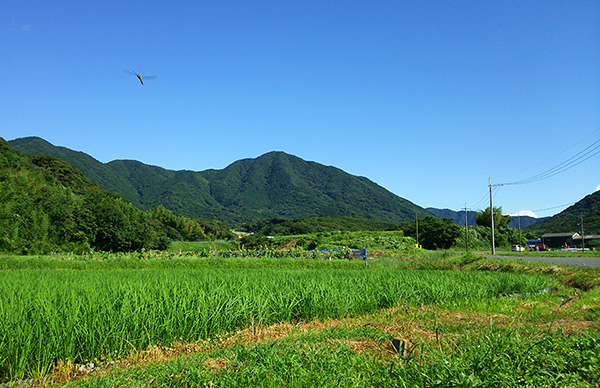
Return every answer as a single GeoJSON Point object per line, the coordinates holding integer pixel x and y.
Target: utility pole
{"type": "Point", "coordinates": [519, 228]}
{"type": "Point", "coordinates": [492, 215]}
{"type": "Point", "coordinates": [466, 231]}
{"type": "Point", "coordinates": [582, 235]}
{"type": "Point", "coordinates": [417, 223]}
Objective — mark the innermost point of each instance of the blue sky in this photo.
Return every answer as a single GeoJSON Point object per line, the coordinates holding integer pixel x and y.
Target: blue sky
{"type": "Point", "coordinates": [429, 99]}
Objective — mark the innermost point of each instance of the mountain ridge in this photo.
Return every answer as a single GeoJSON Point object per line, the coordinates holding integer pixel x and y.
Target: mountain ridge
{"type": "Point", "coordinates": [459, 218]}
{"type": "Point", "coordinates": [275, 184]}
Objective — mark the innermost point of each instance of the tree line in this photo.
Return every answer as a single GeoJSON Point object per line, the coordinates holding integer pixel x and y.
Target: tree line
{"type": "Point", "coordinates": [431, 232]}
{"type": "Point", "coordinates": [48, 205]}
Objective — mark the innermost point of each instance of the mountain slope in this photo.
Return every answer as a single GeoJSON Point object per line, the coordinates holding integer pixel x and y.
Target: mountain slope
{"type": "Point", "coordinates": [569, 219]}
{"type": "Point", "coordinates": [278, 184]}
{"type": "Point", "coordinates": [93, 169]}
{"type": "Point", "coordinates": [273, 185]}
{"type": "Point", "coordinates": [48, 205]}
{"type": "Point", "coordinates": [457, 216]}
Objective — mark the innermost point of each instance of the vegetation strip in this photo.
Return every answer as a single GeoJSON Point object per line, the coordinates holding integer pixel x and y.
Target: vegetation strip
{"type": "Point", "coordinates": [81, 311]}
{"type": "Point", "coordinates": [367, 341]}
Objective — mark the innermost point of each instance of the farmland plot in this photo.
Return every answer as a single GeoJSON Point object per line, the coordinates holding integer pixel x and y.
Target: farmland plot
{"type": "Point", "coordinates": [51, 315]}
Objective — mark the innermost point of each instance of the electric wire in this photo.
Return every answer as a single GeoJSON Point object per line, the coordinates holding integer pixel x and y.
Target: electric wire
{"type": "Point", "coordinates": [582, 156]}
{"type": "Point", "coordinates": [574, 161]}
{"type": "Point", "coordinates": [554, 207]}
{"type": "Point", "coordinates": [481, 201]}
{"type": "Point", "coordinates": [556, 155]}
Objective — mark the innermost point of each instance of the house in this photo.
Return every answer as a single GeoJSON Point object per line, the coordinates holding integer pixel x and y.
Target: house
{"type": "Point", "coordinates": [588, 237]}
{"type": "Point", "coordinates": [559, 240]}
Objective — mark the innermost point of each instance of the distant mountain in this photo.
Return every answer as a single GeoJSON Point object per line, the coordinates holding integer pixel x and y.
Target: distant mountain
{"type": "Point", "coordinates": [569, 220]}
{"type": "Point", "coordinates": [275, 184]}
{"type": "Point", "coordinates": [459, 218]}
{"type": "Point", "coordinates": [525, 221]}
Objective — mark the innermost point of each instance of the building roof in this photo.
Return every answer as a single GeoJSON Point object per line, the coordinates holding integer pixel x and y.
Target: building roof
{"type": "Point", "coordinates": [572, 235]}
{"type": "Point", "coordinates": [589, 237]}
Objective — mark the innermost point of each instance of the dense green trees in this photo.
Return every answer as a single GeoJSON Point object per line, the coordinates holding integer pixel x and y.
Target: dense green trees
{"type": "Point", "coordinates": [273, 185]}
{"type": "Point", "coordinates": [48, 205]}
{"type": "Point", "coordinates": [434, 232]}
{"type": "Point", "coordinates": [280, 226]}
{"type": "Point", "coordinates": [184, 228]}
{"type": "Point", "coordinates": [569, 220]}
{"type": "Point", "coordinates": [503, 235]}
{"type": "Point", "coordinates": [484, 218]}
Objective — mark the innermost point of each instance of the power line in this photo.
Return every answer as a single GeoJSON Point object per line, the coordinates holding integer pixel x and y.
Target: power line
{"type": "Point", "coordinates": [553, 207]}
{"type": "Point", "coordinates": [582, 156]}
{"type": "Point", "coordinates": [556, 155]}
{"type": "Point", "coordinates": [481, 201]}
{"type": "Point", "coordinates": [484, 199]}
{"type": "Point", "coordinates": [587, 153]}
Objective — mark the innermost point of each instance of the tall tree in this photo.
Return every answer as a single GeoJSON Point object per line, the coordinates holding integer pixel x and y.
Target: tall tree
{"type": "Point", "coordinates": [483, 218]}
{"type": "Point", "coordinates": [434, 232]}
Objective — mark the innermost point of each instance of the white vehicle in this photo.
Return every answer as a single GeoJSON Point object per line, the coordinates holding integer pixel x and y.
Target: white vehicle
{"type": "Point", "coordinates": [571, 248]}
{"type": "Point", "coordinates": [518, 248]}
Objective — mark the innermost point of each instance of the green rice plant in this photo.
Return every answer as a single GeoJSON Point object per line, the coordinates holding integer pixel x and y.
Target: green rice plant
{"type": "Point", "coordinates": [47, 315]}
{"type": "Point", "coordinates": [505, 357]}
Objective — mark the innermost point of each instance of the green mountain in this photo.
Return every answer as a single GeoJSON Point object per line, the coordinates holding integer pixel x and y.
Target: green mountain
{"type": "Point", "coordinates": [48, 205]}
{"type": "Point", "coordinates": [273, 185]}
{"type": "Point", "coordinates": [569, 220]}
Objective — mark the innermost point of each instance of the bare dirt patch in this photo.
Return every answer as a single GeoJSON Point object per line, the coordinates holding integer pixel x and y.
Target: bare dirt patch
{"type": "Point", "coordinates": [215, 364]}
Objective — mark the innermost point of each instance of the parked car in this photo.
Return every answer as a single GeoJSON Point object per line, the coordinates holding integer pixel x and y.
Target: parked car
{"type": "Point", "coordinates": [517, 248]}
{"type": "Point", "coordinates": [570, 248]}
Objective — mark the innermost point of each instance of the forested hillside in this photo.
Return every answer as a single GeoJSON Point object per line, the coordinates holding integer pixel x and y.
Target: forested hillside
{"type": "Point", "coordinates": [273, 185]}
{"type": "Point", "coordinates": [569, 220]}
{"type": "Point", "coordinates": [282, 226]}
{"type": "Point", "coordinates": [48, 205]}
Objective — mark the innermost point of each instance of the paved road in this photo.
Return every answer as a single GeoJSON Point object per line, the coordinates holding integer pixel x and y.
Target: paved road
{"type": "Point", "coordinates": [579, 261]}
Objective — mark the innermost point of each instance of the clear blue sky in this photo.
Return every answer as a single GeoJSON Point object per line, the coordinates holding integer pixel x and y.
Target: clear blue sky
{"type": "Point", "coordinates": [428, 99]}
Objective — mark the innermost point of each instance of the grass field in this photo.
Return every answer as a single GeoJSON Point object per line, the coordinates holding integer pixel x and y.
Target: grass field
{"type": "Point", "coordinates": [181, 320]}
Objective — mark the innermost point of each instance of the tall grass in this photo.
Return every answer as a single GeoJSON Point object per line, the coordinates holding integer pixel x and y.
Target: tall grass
{"type": "Point", "coordinates": [486, 357]}
{"type": "Point", "coordinates": [48, 315]}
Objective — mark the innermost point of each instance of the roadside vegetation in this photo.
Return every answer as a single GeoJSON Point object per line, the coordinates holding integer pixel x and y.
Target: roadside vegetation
{"type": "Point", "coordinates": [430, 232]}
{"type": "Point", "coordinates": [413, 318]}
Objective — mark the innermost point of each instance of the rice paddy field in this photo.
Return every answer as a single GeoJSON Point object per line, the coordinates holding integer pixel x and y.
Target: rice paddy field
{"type": "Point", "coordinates": [183, 320]}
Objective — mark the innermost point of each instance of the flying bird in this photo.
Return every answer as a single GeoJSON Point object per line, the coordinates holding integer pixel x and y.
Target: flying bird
{"type": "Point", "coordinates": [140, 76]}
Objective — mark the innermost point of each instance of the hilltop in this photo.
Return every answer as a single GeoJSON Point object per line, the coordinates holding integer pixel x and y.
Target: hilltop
{"type": "Point", "coordinates": [275, 184]}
